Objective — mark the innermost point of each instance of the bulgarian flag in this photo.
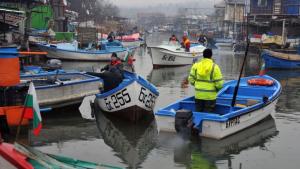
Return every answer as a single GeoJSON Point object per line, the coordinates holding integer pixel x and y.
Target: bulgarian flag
{"type": "Point", "coordinates": [32, 110]}
{"type": "Point", "coordinates": [262, 70]}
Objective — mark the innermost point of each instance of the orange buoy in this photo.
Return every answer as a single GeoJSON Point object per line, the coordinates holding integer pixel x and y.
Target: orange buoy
{"type": "Point", "coordinates": [260, 82]}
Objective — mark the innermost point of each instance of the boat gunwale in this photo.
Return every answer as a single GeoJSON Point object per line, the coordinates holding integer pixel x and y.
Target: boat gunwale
{"type": "Point", "coordinates": [90, 52]}
{"type": "Point", "coordinates": [90, 79]}
{"type": "Point", "coordinates": [277, 55]}
{"type": "Point", "coordinates": [184, 52]}
{"type": "Point", "coordinates": [129, 79]}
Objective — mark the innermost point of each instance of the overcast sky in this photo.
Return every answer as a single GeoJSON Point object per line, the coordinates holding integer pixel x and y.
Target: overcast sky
{"type": "Point", "coordinates": [143, 3]}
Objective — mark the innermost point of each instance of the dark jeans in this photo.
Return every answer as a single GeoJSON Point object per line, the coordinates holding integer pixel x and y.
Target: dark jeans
{"type": "Point", "coordinates": [205, 105]}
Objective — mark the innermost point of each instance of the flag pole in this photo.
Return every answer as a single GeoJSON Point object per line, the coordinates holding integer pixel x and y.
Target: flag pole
{"type": "Point", "coordinates": [20, 122]}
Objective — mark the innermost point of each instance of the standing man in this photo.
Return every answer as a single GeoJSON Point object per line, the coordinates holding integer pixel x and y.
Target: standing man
{"type": "Point", "coordinates": [206, 77]}
{"type": "Point", "coordinates": [186, 44]}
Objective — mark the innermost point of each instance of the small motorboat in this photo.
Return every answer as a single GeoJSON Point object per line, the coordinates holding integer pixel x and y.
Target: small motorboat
{"type": "Point", "coordinates": [281, 60]}
{"type": "Point", "coordinates": [25, 157]}
{"type": "Point", "coordinates": [256, 99]}
{"type": "Point", "coordinates": [172, 54]}
{"type": "Point", "coordinates": [132, 98]}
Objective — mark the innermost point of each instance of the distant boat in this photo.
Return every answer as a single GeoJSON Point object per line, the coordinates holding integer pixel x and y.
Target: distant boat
{"type": "Point", "coordinates": [224, 42]}
{"type": "Point", "coordinates": [281, 60]}
{"type": "Point", "coordinates": [133, 40]}
{"type": "Point", "coordinates": [57, 89]}
{"type": "Point", "coordinates": [174, 55]}
{"type": "Point", "coordinates": [254, 103]}
{"type": "Point", "coordinates": [25, 157]}
{"type": "Point", "coordinates": [132, 99]}
{"type": "Point", "coordinates": [70, 51]}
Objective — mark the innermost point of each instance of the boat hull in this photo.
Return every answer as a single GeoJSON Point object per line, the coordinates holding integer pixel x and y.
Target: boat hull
{"type": "Point", "coordinates": [166, 58]}
{"type": "Point", "coordinates": [83, 56]}
{"type": "Point", "coordinates": [64, 93]}
{"type": "Point", "coordinates": [131, 100]}
{"type": "Point", "coordinates": [281, 60]}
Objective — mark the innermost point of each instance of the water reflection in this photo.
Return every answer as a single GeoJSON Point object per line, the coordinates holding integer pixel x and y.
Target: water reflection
{"type": "Point", "coordinates": [131, 142]}
{"type": "Point", "coordinates": [169, 76]}
{"type": "Point", "coordinates": [205, 152]}
{"type": "Point", "coordinates": [288, 107]}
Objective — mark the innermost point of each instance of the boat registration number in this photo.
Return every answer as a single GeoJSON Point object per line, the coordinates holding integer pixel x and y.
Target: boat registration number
{"type": "Point", "coordinates": [147, 98]}
{"type": "Point", "coordinates": [117, 100]}
{"type": "Point", "coordinates": [168, 58]}
{"type": "Point", "coordinates": [233, 122]}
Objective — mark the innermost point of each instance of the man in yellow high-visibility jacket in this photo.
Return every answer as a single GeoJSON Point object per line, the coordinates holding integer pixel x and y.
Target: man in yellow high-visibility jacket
{"type": "Point", "coordinates": [207, 79]}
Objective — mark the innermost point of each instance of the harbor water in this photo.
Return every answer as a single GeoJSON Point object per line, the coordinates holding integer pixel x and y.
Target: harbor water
{"type": "Point", "coordinates": [270, 144]}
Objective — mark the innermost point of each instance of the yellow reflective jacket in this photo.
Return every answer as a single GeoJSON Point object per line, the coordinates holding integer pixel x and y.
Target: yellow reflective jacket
{"type": "Point", "coordinates": [207, 79]}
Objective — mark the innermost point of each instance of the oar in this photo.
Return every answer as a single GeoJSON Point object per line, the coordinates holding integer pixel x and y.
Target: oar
{"type": "Point", "coordinates": [236, 89]}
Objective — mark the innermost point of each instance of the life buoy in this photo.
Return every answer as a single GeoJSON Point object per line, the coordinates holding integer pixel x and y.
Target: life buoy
{"type": "Point", "coordinates": [260, 82]}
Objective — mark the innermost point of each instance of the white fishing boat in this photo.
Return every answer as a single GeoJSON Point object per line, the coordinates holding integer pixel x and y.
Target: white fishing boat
{"type": "Point", "coordinates": [172, 54]}
{"type": "Point", "coordinates": [62, 89]}
{"type": "Point", "coordinates": [254, 103]}
{"type": "Point", "coordinates": [132, 99]}
{"type": "Point", "coordinates": [70, 51]}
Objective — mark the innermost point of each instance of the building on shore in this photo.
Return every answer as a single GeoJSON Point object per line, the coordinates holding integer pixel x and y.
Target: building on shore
{"type": "Point", "coordinates": [230, 18]}
{"type": "Point", "coordinates": [275, 17]}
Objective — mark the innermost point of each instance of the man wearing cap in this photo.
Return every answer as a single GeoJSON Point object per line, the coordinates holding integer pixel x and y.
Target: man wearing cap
{"type": "Point", "coordinates": [112, 73]}
{"type": "Point", "coordinates": [207, 79]}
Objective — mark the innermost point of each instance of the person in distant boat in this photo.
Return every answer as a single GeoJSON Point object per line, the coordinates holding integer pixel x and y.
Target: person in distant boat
{"type": "Point", "coordinates": [173, 39]}
{"type": "Point", "coordinates": [202, 40]}
{"type": "Point", "coordinates": [206, 77]}
{"type": "Point", "coordinates": [186, 44]}
{"type": "Point", "coordinates": [50, 34]}
{"type": "Point", "coordinates": [112, 73]}
{"type": "Point", "coordinates": [111, 37]}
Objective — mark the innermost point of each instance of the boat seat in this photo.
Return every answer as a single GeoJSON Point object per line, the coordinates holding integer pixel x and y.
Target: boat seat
{"type": "Point", "coordinates": [230, 96]}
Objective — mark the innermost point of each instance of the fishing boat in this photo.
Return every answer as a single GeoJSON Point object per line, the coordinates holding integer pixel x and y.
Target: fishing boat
{"type": "Point", "coordinates": [281, 60]}
{"type": "Point", "coordinates": [256, 99]}
{"type": "Point", "coordinates": [70, 51]}
{"type": "Point", "coordinates": [132, 98]}
{"type": "Point", "coordinates": [133, 40]}
{"type": "Point", "coordinates": [25, 157]}
{"type": "Point", "coordinates": [57, 89]}
{"type": "Point", "coordinates": [171, 54]}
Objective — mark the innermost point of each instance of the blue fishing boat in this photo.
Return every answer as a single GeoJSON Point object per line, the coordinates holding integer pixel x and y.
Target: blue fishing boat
{"type": "Point", "coordinates": [281, 60]}
{"type": "Point", "coordinates": [55, 88]}
{"type": "Point", "coordinates": [71, 51]}
{"type": "Point", "coordinates": [256, 99]}
{"type": "Point", "coordinates": [133, 98]}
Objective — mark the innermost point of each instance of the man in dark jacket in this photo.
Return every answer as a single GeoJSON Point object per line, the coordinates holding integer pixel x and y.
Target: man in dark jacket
{"type": "Point", "coordinates": [112, 73]}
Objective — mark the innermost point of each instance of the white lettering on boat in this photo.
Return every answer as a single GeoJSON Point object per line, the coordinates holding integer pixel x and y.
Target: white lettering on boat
{"type": "Point", "coordinates": [117, 100]}
{"type": "Point", "coordinates": [147, 98]}
{"type": "Point", "coordinates": [233, 122]}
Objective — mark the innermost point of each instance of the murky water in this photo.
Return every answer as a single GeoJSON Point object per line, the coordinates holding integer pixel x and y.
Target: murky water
{"type": "Point", "coordinates": [273, 143]}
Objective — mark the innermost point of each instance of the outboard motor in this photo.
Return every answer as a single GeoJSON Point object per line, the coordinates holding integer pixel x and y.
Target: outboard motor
{"type": "Point", "coordinates": [184, 121]}
{"type": "Point", "coordinates": [53, 64]}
